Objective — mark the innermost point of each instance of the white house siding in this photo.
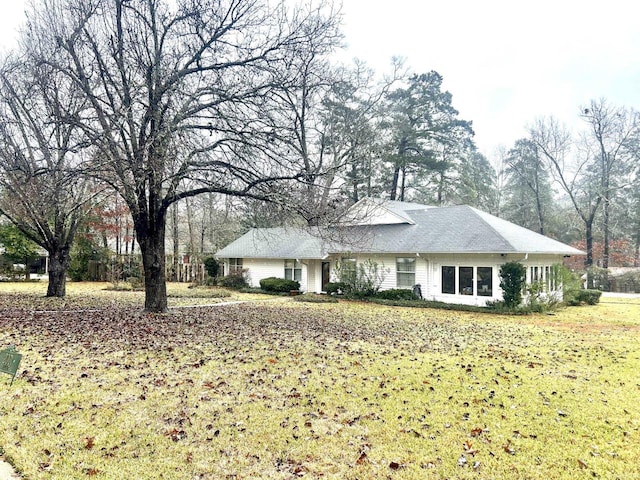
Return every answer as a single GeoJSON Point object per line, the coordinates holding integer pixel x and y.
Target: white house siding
{"type": "Point", "coordinates": [313, 278]}
{"type": "Point", "coordinates": [495, 261]}
{"type": "Point", "coordinates": [432, 290]}
{"type": "Point", "coordinates": [428, 272]}
{"type": "Point", "coordinates": [260, 268]}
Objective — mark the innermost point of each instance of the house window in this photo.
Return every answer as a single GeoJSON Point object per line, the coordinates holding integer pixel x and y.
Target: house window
{"type": "Point", "coordinates": [484, 283]}
{"type": "Point", "coordinates": [465, 280]}
{"type": "Point", "coordinates": [235, 266]}
{"type": "Point", "coordinates": [293, 270]}
{"type": "Point", "coordinates": [405, 272]}
{"type": "Point", "coordinates": [348, 270]}
{"type": "Point", "coordinates": [449, 280]}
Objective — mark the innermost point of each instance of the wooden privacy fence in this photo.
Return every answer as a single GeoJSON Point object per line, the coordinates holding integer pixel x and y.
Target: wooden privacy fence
{"type": "Point", "coordinates": [124, 268]}
{"type": "Point", "coordinates": [187, 272]}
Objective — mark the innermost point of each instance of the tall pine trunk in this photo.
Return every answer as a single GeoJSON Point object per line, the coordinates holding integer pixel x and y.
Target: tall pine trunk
{"type": "Point", "coordinates": [59, 260]}
{"type": "Point", "coordinates": [588, 261]}
{"type": "Point", "coordinates": [605, 227]}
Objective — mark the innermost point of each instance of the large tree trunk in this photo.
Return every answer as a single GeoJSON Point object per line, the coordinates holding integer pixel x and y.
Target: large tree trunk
{"type": "Point", "coordinates": [605, 255]}
{"type": "Point", "coordinates": [540, 214]}
{"type": "Point", "coordinates": [153, 261]}
{"type": "Point", "coordinates": [404, 181]}
{"type": "Point", "coordinates": [394, 183]}
{"type": "Point", "coordinates": [588, 261]}
{"type": "Point", "coordinates": [58, 265]}
{"type": "Point", "coordinates": [176, 243]}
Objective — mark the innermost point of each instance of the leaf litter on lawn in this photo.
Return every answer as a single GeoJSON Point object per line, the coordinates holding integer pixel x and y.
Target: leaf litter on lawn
{"type": "Point", "coordinates": [318, 391]}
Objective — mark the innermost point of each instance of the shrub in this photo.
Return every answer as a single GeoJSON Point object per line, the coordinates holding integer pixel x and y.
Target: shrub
{"type": "Point", "coordinates": [212, 266]}
{"type": "Point", "coordinates": [335, 287]}
{"type": "Point", "coordinates": [397, 294]}
{"type": "Point", "coordinates": [137, 283]}
{"type": "Point", "coordinates": [512, 280]}
{"type": "Point", "coordinates": [598, 278]}
{"type": "Point", "coordinates": [590, 297]}
{"type": "Point", "coordinates": [234, 280]}
{"type": "Point", "coordinates": [273, 284]}
{"type": "Point", "coordinates": [362, 279]}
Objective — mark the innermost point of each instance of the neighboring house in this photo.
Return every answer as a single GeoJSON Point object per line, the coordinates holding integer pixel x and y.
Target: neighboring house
{"type": "Point", "coordinates": [453, 253]}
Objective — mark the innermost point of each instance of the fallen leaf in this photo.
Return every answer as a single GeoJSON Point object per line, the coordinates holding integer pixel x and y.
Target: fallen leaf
{"type": "Point", "coordinates": [509, 448]}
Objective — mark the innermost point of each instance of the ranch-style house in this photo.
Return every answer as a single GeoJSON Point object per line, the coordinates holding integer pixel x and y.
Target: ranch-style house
{"type": "Point", "coordinates": [453, 253]}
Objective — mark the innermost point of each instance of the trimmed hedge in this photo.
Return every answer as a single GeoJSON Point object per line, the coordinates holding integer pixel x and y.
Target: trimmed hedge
{"type": "Point", "coordinates": [273, 284]}
{"type": "Point", "coordinates": [397, 294]}
{"type": "Point", "coordinates": [233, 281]}
{"type": "Point", "coordinates": [590, 297]}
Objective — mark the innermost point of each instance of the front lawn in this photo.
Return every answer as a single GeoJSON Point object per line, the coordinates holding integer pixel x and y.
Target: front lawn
{"type": "Point", "coordinates": [281, 389]}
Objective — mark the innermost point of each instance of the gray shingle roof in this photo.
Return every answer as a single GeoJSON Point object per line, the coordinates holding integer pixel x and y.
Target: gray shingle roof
{"type": "Point", "coordinates": [282, 242]}
{"type": "Point", "coordinates": [458, 229]}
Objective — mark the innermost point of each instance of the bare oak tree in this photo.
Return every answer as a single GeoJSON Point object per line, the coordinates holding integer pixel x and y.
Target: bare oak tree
{"type": "Point", "coordinates": [179, 96]}
{"type": "Point", "coordinates": [590, 171]}
{"type": "Point", "coordinates": [41, 192]}
{"type": "Point", "coordinates": [611, 140]}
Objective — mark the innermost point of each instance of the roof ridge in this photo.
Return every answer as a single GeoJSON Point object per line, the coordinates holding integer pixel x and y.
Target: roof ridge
{"type": "Point", "coordinates": [480, 214]}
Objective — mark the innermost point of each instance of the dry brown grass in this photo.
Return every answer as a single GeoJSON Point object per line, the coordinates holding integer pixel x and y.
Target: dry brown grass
{"type": "Point", "coordinates": [289, 390]}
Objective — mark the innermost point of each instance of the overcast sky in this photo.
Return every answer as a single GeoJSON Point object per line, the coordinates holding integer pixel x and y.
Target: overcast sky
{"type": "Point", "coordinates": [506, 62]}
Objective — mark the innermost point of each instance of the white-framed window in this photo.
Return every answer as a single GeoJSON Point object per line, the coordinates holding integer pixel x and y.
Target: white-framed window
{"type": "Point", "coordinates": [235, 266]}
{"type": "Point", "coordinates": [465, 280]}
{"type": "Point", "coordinates": [448, 279]}
{"type": "Point", "coordinates": [348, 270]}
{"type": "Point", "coordinates": [293, 270]}
{"type": "Point", "coordinates": [484, 281]}
{"type": "Point", "coordinates": [405, 272]}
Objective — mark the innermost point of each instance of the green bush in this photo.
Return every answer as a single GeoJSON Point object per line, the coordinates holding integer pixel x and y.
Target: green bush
{"type": "Point", "coordinates": [362, 279]}
{"type": "Point", "coordinates": [83, 252]}
{"type": "Point", "coordinates": [512, 280]}
{"type": "Point", "coordinates": [273, 284]}
{"type": "Point", "coordinates": [590, 297]}
{"type": "Point", "coordinates": [233, 280]}
{"type": "Point", "coordinates": [397, 294]}
{"type": "Point", "coordinates": [212, 266]}
{"type": "Point", "coordinates": [598, 278]}
{"type": "Point", "coordinates": [335, 287]}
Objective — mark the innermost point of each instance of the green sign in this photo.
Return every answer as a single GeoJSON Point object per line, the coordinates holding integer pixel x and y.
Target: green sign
{"type": "Point", "coordinates": [9, 362]}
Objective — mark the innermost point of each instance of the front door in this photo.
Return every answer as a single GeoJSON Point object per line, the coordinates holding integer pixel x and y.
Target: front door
{"type": "Point", "coordinates": [326, 274]}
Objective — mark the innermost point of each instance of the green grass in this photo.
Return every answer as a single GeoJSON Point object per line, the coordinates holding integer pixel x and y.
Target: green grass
{"type": "Point", "coordinates": [282, 389]}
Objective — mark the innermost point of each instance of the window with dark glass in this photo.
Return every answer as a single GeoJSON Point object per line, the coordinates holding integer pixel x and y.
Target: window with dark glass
{"type": "Point", "coordinates": [348, 270]}
{"type": "Point", "coordinates": [405, 272]}
{"type": "Point", "coordinates": [235, 266]}
{"type": "Point", "coordinates": [484, 282]}
{"type": "Point", "coordinates": [465, 280]}
{"type": "Point", "coordinates": [293, 270]}
{"type": "Point", "coordinates": [448, 279]}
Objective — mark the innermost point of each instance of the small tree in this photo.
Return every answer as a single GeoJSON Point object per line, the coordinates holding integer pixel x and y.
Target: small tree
{"type": "Point", "coordinates": [512, 280]}
{"type": "Point", "coordinates": [362, 279]}
{"type": "Point", "coordinates": [17, 247]}
{"type": "Point", "coordinates": [212, 266]}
